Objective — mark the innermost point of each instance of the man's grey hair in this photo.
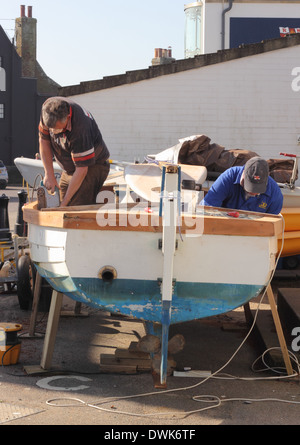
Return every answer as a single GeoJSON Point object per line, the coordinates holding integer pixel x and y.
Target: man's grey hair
{"type": "Point", "coordinates": [55, 110]}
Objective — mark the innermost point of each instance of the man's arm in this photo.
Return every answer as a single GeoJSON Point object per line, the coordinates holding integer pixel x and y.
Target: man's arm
{"type": "Point", "coordinates": [277, 200]}
{"type": "Point", "coordinates": [46, 154]}
{"type": "Point", "coordinates": [219, 191]}
{"type": "Point", "coordinates": [74, 184]}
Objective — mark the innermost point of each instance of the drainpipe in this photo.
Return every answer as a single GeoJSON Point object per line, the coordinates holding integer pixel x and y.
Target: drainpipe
{"type": "Point", "coordinates": [223, 22]}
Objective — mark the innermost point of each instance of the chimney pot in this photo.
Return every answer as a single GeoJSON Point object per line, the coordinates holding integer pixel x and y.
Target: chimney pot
{"type": "Point", "coordinates": [22, 10]}
{"type": "Point", "coordinates": [29, 11]}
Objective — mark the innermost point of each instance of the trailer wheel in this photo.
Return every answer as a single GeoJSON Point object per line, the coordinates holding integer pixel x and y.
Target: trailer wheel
{"type": "Point", "coordinates": [26, 273]}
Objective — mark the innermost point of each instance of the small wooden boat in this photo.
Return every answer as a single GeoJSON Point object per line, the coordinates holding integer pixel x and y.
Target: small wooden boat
{"type": "Point", "coordinates": [157, 263]}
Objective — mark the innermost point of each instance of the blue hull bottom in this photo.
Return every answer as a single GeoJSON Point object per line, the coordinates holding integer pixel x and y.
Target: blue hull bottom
{"type": "Point", "coordinates": [142, 298]}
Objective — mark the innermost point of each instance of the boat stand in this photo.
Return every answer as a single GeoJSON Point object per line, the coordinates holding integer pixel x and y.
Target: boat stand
{"type": "Point", "coordinates": [279, 331]}
{"type": "Point", "coordinates": [52, 325]}
{"type": "Point", "coordinates": [278, 327]}
{"type": "Point", "coordinates": [51, 331]}
{"type": "Point", "coordinates": [50, 336]}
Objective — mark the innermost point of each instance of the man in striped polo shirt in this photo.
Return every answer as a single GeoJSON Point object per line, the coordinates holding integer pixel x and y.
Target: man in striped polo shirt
{"type": "Point", "coordinates": [71, 135]}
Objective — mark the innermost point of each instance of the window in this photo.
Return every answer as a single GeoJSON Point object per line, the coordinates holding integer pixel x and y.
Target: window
{"type": "Point", "coordinates": [2, 79]}
{"type": "Point", "coordinates": [1, 111]}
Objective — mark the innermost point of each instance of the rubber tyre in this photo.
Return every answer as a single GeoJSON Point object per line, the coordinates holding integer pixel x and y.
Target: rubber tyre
{"type": "Point", "coordinates": [25, 283]}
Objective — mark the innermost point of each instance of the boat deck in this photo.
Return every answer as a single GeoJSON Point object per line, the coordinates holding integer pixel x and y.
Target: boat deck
{"type": "Point", "coordinates": [139, 217]}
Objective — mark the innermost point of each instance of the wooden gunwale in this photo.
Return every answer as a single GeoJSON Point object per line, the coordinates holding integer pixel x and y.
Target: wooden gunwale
{"type": "Point", "coordinates": [121, 218]}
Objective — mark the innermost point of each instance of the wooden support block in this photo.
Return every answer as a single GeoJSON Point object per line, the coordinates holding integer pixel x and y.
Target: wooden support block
{"type": "Point", "coordinates": [126, 361]}
{"type": "Point", "coordinates": [38, 370]}
{"type": "Point", "coordinates": [133, 346]}
{"type": "Point", "coordinates": [139, 364]}
{"type": "Point", "coordinates": [117, 369]}
{"type": "Point", "coordinates": [126, 353]}
{"type": "Point", "coordinates": [35, 370]}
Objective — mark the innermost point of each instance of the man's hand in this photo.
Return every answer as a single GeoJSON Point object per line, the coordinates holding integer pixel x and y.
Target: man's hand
{"type": "Point", "coordinates": [75, 183]}
{"type": "Point", "coordinates": [50, 183]}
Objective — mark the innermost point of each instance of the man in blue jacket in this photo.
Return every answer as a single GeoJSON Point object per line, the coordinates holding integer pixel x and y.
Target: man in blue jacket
{"type": "Point", "coordinates": [246, 188]}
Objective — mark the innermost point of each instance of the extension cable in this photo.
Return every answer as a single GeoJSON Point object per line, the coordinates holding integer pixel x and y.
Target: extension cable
{"type": "Point", "coordinates": [192, 373]}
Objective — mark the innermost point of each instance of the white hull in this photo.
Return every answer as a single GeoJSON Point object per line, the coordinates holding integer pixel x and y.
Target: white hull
{"type": "Point", "coordinates": [33, 171]}
{"type": "Point", "coordinates": [136, 254]}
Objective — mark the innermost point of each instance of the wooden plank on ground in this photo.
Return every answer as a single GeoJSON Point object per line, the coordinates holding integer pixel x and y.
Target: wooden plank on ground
{"type": "Point", "coordinates": [126, 353]}
{"type": "Point", "coordinates": [117, 369]}
{"type": "Point", "coordinates": [138, 363]}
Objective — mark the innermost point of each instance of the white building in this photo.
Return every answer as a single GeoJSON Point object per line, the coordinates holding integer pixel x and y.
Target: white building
{"type": "Point", "coordinates": [246, 96]}
{"type": "Point", "coordinates": [227, 24]}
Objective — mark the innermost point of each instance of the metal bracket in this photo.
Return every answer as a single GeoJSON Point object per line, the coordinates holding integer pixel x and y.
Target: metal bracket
{"type": "Point", "coordinates": [160, 244]}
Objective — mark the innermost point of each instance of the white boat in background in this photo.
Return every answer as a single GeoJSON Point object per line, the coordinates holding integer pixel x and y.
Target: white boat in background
{"type": "Point", "coordinates": [32, 170]}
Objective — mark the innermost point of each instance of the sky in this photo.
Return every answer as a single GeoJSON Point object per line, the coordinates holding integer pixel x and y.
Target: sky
{"type": "Point", "coordinates": [82, 40]}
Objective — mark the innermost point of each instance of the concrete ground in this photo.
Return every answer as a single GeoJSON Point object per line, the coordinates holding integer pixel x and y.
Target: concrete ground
{"type": "Point", "coordinates": [76, 392]}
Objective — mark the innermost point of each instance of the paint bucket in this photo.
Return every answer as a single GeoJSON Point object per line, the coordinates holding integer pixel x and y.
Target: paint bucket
{"type": "Point", "coordinates": [10, 345]}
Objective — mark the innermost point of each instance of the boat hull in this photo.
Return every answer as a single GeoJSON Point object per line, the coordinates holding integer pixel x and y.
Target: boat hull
{"type": "Point", "coordinates": [213, 272]}
{"type": "Point", "coordinates": [142, 299]}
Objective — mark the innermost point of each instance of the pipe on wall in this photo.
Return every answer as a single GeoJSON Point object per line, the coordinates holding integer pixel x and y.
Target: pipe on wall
{"type": "Point", "coordinates": [224, 12]}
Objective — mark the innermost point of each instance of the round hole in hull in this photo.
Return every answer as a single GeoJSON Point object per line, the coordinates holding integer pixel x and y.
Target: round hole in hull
{"type": "Point", "coordinates": [107, 274]}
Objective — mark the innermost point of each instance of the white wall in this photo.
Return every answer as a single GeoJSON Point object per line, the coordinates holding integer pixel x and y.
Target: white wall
{"type": "Point", "coordinates": [213, 19]}
{"type": "Point", "coordinates": [246, 103]}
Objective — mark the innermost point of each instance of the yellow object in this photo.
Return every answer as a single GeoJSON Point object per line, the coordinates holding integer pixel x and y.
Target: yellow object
{"type": "Point", "coordinates": [291, 246]}
{"type": "Point", "coordinates": [10, 346]}
{"type": "Point", "coordinates": [291, 216]}
{"type": "Point", "coordinates": [9, 355]}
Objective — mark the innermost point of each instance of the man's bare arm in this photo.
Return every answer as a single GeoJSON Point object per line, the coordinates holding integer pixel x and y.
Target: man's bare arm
{"type": "Point", "coordinates": [46, 154]}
